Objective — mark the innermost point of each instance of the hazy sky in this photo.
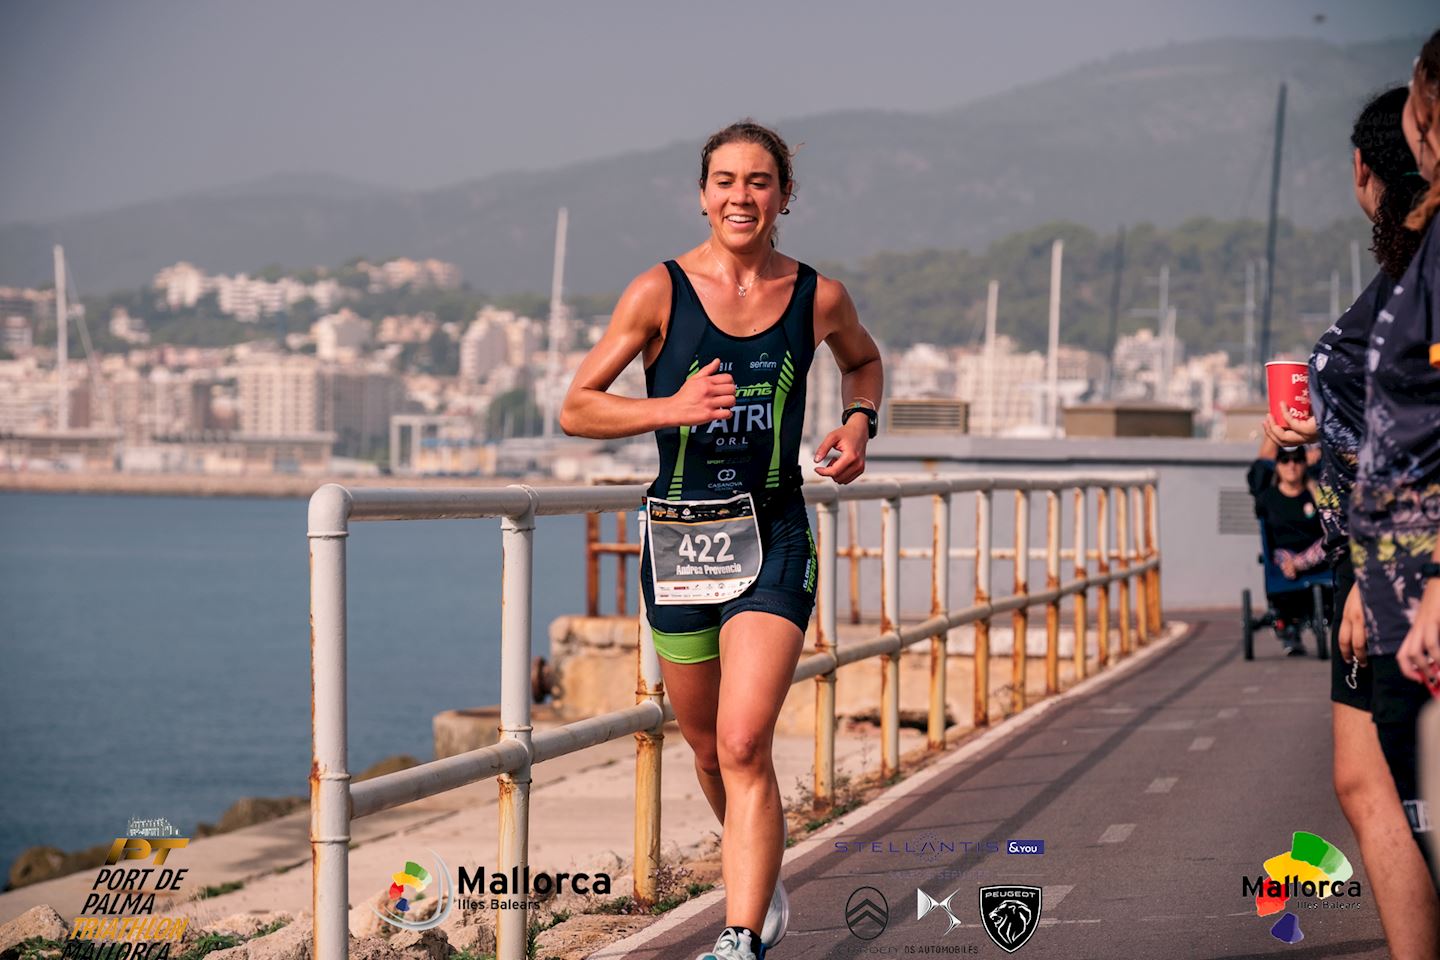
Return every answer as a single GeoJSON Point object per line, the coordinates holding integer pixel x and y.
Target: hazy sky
{"type": "Point", "coordinates": [109, 102]}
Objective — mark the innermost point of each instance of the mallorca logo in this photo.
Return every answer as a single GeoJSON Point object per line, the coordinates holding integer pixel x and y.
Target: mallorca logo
{"type": "Point", "coordinates": [407, 887]}
{"type": "Point", "coordinates": [1313, 868]}
{"type": "Point", "coordinates": [1010, 914]}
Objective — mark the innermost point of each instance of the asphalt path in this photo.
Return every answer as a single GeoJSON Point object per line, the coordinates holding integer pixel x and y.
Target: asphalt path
{"type": "Point", "coordinates": [1154, 796]}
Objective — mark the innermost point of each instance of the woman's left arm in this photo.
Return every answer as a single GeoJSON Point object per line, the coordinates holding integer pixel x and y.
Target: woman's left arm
{"type": "Point", "coordinates": [861, 378]}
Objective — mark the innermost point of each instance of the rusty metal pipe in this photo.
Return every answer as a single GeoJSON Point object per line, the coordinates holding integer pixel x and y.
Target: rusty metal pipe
{"type": "Point", "coordinates": [1021, 617]}
{"type": "Point", "coordinates": [980, 700]}
{"type": "Point", "coordinates": [890, 621]}
{"type": "Point", "coordinates": [939, 606]}
{"type": "Point", "coordinates": [1122, 536]}
{"type": "Point", "coordinates": [1081, 574]}
{"type": "Point", "coordinates": [825, 644]}
{"type": "Point", "coordinates": [1052, 585]}
{"type": "Point", "coordinates": [1102, 566]}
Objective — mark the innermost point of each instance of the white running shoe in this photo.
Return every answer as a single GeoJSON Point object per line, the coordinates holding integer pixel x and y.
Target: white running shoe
{"type": "Point", "coordinates": [777, 916]}
{"type": "Point", "coordinates": [731, 946]}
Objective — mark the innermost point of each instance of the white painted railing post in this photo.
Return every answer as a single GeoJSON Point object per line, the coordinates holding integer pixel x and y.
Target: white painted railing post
{"type": "Point", "coordinates": [517, 540]}
{"type": "Point", "coordinates": [329, 775]}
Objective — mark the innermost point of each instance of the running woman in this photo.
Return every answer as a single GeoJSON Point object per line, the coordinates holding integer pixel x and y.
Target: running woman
{"type": "Point", "coordinates": [1386, 187]}
{"type": "Point", "coordinates": [1395, 509]}
{"type": "Point", "coordinates": [727, 331]}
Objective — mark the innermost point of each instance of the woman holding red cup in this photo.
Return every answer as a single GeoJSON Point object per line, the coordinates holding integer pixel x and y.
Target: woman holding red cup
{"type": "Point", "coordinates": [1395, 508]}
{"type": "Point", "coordinates": [1387, 186]}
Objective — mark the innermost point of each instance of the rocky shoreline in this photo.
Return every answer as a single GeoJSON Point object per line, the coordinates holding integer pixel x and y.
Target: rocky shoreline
{"type": "Point", "coordinates": [40, 863]}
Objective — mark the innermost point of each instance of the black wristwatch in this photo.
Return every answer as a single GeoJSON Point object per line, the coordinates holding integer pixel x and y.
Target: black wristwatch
{"type": "Point", "coordinates": [1429, 569]}
{"type": "Point", "coordinates": [871, 415]}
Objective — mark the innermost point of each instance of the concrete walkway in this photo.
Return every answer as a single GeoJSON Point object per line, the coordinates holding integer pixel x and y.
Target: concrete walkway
{"type": "Point", "coordinates": [1155, 790]}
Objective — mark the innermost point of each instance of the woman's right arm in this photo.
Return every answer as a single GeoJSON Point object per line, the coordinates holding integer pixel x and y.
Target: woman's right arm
{"type": "Point", "coordinates": [589, 411]}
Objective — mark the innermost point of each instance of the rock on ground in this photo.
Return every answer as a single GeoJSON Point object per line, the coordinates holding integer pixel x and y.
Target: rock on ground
{"type": "Point", "coordinates": [291, 942]}
{"type": "Point", "coordinates": [421, 944]}
{"type": "Point", "coordinates": [246, 925]}
{"type": "Point", "coordinates": [578, 937]}
{"type": "Point", "coordinates": [41, 921]}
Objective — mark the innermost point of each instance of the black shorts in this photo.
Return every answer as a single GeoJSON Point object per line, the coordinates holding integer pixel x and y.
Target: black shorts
{"type": "Point", "coordinates": [1395, 705]}
{"type": "Point", "coordinates": [1342, 673]}
{"type": "Point", "coordinates": [690, 633]}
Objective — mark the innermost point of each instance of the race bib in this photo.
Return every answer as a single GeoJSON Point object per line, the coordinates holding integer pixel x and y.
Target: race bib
{"type": "Point", "coordinates": [702, 551]}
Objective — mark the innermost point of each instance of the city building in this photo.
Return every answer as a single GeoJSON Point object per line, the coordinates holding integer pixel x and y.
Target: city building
{"type": "Point", "coordinates": [182, 284]}
{"type": "Point", "coordinates": [341, 336]}
{"type": "Point", "coordinates": [17, 334]}
{"type": "Point", "coordinates": [429, 445]}
{"type": "Point", "coordinates": [487, 344]}
{"type": "Point", "coordinates": [407, 328]}
{"type": "Point", "coordinates": [1007, 399]}
{"type": "Point", "coordinates": [130, 329]}
{"type": "Point", "coordinates": [296, 396]}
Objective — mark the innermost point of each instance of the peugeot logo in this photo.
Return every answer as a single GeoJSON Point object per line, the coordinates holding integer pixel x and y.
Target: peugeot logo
{"type": "Point", "coordinates": [866, 913]}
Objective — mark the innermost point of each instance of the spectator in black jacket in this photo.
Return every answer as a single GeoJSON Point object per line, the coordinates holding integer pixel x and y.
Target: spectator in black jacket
{"type": "Point", "coordinates": [1285, 504]}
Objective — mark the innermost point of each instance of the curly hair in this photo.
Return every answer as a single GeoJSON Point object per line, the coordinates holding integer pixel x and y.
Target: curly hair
{"type": "Point", "coordinates": [1381, 142]}
{"type": "Point", "coordinates": [748, 131]}
{"type": "Point", "coordinates": [1425, 84]}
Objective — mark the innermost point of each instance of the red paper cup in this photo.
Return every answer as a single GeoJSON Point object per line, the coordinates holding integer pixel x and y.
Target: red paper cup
{"type": "Point", "coordinates": [1287, 382]}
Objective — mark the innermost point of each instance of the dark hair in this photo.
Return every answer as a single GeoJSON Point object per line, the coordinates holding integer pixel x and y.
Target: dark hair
{"type": "Point", "coordinates": [1425, 82]}
{"type": "Point", "coordinates": [1379, 137]}
{"type": "Point", "coordinates": [748, 131]}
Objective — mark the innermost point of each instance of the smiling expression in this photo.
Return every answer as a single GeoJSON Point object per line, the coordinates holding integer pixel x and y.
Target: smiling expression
{"type": "Point", "coordinates": [742, 195]}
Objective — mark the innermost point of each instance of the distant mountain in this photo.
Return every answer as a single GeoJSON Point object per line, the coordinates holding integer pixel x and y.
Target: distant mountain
{"type": "Point", "coordinates": [1158, 135]}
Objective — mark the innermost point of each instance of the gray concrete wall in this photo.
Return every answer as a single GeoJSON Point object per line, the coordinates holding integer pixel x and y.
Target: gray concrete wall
{"type": "Point", "coordinates": [1202, 567]}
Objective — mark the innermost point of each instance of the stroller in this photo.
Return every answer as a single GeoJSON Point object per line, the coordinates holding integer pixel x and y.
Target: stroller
{"type": "Point", "coordinates": [1288, 611]}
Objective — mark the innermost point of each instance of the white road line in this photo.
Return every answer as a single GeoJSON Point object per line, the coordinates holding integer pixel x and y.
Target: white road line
{"type": "Point", "coordinates": [1228, 713]}
{"type": "Point", "coordinates": [1117, 833]}
{"type": "Point", "coordinates": [1249, 689]}
{"type": "Point", "coordinates": [1168, 726]}
{"type": "Point", "coordinates": [1161, 785]}
{"type": "Point", "coordinates": [1051, 895]}
{"type": "Point", "coordinates": [1202, 743]}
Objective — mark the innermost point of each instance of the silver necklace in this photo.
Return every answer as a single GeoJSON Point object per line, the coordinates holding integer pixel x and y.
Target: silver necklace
{"type": "Point", "coordinates": [744, 288]}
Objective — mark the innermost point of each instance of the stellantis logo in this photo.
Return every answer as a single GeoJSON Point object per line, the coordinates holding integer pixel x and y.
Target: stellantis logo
{"type": "Point", "coordinates": [1025, 846]}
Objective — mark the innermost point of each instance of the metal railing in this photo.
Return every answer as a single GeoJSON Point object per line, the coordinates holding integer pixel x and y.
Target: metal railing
{"type": "Point", "coordinates": [1131, 561]}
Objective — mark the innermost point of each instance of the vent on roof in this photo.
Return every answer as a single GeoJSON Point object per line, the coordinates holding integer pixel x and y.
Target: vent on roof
{"type": "Point", "coordinates": [927, 416]}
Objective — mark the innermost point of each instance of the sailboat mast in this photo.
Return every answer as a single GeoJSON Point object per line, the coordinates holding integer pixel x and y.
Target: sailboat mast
{"type": "Point", "coordinates": [62, 343]}
{"type": "Point", "coordinates": [1270, 233]}
{"type": "Point", "coordinates": [557, 323]}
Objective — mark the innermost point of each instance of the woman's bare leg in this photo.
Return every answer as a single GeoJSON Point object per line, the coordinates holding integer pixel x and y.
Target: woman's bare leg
{"type": "Point", "coordinates": [693, 690]}
{"type": "Point", "coordinates": [1398, 876]}
{"type": "Point", "coordinates": [758, 653]}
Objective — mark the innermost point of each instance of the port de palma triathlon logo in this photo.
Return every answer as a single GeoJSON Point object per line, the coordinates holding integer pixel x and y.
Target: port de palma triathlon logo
{"type": "Point", "coordinates": [407, 887]}
{"type": "Point", "coordinates": [1010, 914]}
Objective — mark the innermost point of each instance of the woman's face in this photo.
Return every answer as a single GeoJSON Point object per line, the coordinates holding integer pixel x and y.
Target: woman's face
{"type": "Point", "coordinates": [1417, 120]}
{"type": "Point", "coordinates": [1367, 187]}
{"type": "Point", "coordinates": [742, 195]}
{"type": "Point", "coordinates": [1290, 471]}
